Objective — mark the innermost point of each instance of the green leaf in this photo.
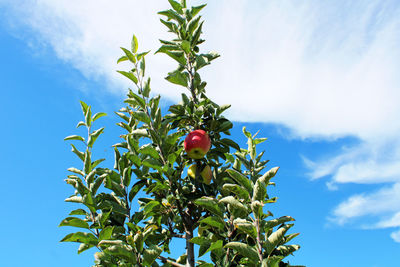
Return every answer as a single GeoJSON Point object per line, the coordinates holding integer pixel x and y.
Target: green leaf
{"type": "Point", "coordinates": [290, 237]}
{"type": "Point", "coordinates": [74, 222]}
{"type": "Point", "coordinates": [87, 162]}
{"type": "Point", "coordinates": [75, 199]}
{"type": "Point", "coordinates": [177, 77]}
{"type": "Point", "coordinates": [74, 137]}
{"type": "Point", "coordinates": [134, 44]}
{"type": "Point", "coordinates": [83, 247]}
{"type": "Point", "coordinates": [215, 245]}
{"type": "Point", "coordinates": [237, 190]}
{"type": "Point", "coordinates": [142, 67]}
{"type": "Point", "coordinates": [81, 123]}
{"type": "Point", "coordinates": [269, 175]}
{"type": "Point", "coordinates": [275, 238]}
{"type": "Point", "coordinates": [274, 260]}
{"type": "Point", "coordinates": [134, 159]}
{"type": "Point", "coordinates": [84, 107]}
{"type": "Point", "coordinates": [103, 216]}
{"type": "Point", "coordinates": [203, 248]}
{"type": "Point", "coordinates": [226, 125]}
{"type": "Point", "coordinates": [185, 46]}
{"type": "Point", "coordinates": [246, 227]}
{"type": "Point", "coordinates": [121, 251]}
{"type": "Point", "coordinates": [106, 233]}
{"type": "Point", "coordinates": [210, 204]}
{"type": "Point", "coordinates": [75, 170]}
{"type": "Point", "coordinates": [140, 132]}
{"type": "Point", "coordinates": [178, 56]}
{"type": "Point", "coordinates": [167, 48]}
{"type": "Point", "coordinates": [97, 162]}
{"type": "Point", "coordinates": [172, 138]}
{"type": "Point", "coordinates": [259, 191]}
{"type": "Point", "coordinates": [78, 212]}
{"type": "Point", "coordinates": [152, 163]}
{"type": "Point", "coordinates": [234, 203]}
{"type": "Point", "coordinates": [136, 188]}
{"type": "Point", "coordinates": [176, 6]}
{"type": "Point", "coordinates": [241, 180]}
{"type": "Point", "coordinates": [138, 239]}
{"type": "Point", "coordinates": [275, 222]}
{"type": "Point", "coordinates": [151, 254]}
{"type": "Point", "coordinates": [80, 237]}
{"type": "Point", "coordinates": [88, 117]}
{"type": "Point", "coordinates": [93, 136]}
{"type": "Point", "coordinates": [211, 56]}
{"type": "Point", "coordinates": [121, 59]}
{"type": "Point", "coordinates": [246, 133]}
{"type": "Point", "coordinates": [286, 250]}
{"type": "Point", "coordinates": [196, 9]}
{"type": "Point", "coordinates": [107, 243]}
{"type": "Point", "coordinates": [230, 143]}
{"type": "Point", "coordinates": [126, 176]}
{"type": "Point", "coordinates": [200, 62]}
{"type": "Point", "coordinates": [129, 75]}
{"type": "Point", "coordinates": [151, 207]}
{"type": "Point", "coordinates": [170, 25]}
{"type": "Point", "coordinates": [199, 240]}
{"type": "Point", "coordinates": [141, 116]}
{"type": "Point", "coordinates": [244, 249]}
{"type": "Point", "coordinates": [259, 140]}
{"type": "Point", "coordinates": [114, 186]}
{"type": "Point", "coordinates": [223, 108]}
{"type": "Point", "coordinates": [193, 25]}
{"type": "Point", "coordinates": [95, 186]}
{"type": "Point", "coordinates": [129, 54]}
{"type": "Point", "coordinates": [197, 34]}
{"type": "Point", "coordinates": [257, 208]}
{"type": "Point", "coordinates": [148, 149]}
{"type": "Point", "coordinates": [146, 89]}
{"type": "Point", "coordinates": [142, 55]}
{"type": "Point", "coordinates": [214, 222]}
{"type": "Point", "coordinates": [80, 154]}
{"type": "Point", "coordinates": [171, 14]}
{"type": "Point", "coordinates": [98, 115]}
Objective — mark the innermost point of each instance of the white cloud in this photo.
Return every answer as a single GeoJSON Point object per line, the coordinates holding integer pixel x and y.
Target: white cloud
{"type": "Point", "coordinates": [395, 236]}
{"type": "Point", "coordinates": [315, 67]}
{"type": "Point", "coordinates": [381, 203]}
{"type": "Point", "coordinates": [324, 69]}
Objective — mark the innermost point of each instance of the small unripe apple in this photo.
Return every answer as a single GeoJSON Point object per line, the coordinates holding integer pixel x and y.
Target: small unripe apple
{"type": "Point", "coordinates": [206, 173]}
{"type": "Point", "coordinates": [197, 144]}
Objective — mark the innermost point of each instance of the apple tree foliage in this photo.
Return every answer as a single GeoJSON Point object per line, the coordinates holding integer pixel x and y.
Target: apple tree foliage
{"type": "Point", "coordinates": [230, 214]}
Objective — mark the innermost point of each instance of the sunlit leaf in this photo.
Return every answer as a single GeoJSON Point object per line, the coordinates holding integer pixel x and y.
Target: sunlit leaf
{"type": "Point", "coordinates": [75, 222]}
{"type": "Point", "coordinates": [244, 249]}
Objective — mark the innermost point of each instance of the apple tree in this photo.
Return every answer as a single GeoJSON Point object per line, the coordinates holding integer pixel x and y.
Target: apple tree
{"type": "Point", "coordinates": [191, 181]}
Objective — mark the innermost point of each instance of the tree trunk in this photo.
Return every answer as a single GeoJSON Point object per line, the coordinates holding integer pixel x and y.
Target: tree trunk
{"type": "Point", "coordinates": [189, 248]}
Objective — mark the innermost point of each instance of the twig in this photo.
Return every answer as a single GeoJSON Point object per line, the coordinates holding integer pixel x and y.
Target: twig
{"type": "Point", "coordinates": [165, 260]}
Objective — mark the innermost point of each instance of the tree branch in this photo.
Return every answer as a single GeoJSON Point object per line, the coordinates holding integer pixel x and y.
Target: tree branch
{"type": "Point", "coordinates": [165, 260]}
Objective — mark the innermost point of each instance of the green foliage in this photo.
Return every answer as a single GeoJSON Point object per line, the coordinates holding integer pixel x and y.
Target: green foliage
{"type": "Point", "coordinates": [229, 214]}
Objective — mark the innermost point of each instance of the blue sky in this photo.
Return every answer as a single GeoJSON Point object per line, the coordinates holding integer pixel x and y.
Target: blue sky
{"type": "Point", "coordinates": [319, 79]}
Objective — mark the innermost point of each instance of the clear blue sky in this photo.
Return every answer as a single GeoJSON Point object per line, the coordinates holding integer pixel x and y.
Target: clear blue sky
{"type": "Point", "coordinates": [343, 222]}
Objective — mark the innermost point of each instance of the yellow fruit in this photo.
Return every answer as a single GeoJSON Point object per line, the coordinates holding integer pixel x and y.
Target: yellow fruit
{"type": "Point", "coordinates": [206, 173]}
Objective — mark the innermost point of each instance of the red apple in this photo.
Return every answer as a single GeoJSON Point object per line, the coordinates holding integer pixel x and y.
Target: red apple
{"type": "Point", "coordinates": [197, 144]}
{"type": "Point", "coordinates": [206, 173]}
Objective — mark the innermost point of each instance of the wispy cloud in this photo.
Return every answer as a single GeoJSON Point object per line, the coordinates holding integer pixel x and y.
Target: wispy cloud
{"type": "Point", "coordinates": [325, 69]}
{"type": "Point", "coordinates": [382, 206]}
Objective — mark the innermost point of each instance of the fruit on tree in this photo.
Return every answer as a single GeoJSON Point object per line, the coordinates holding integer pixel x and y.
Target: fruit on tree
{"type": "Point", "coordinates": [205, 173]}
{"type": "Point", "coordinates": [197, 143]}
